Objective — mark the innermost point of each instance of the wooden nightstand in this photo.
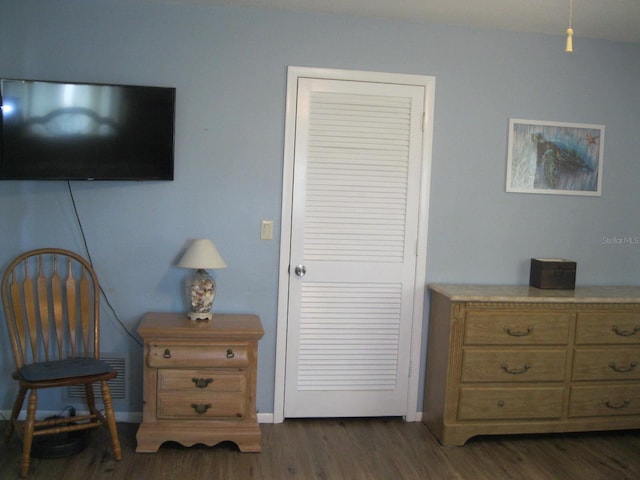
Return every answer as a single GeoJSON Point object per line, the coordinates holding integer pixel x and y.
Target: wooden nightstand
{"type": "Point", "coordinates": [199, 381]}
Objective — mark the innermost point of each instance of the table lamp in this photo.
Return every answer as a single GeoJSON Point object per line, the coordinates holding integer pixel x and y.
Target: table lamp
{"type": "Point", "coordinates": [201, 288]}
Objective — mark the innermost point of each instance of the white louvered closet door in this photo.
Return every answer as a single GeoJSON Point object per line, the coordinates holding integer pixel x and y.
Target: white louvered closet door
{"type": "Point", "coordinates": [354, 229]}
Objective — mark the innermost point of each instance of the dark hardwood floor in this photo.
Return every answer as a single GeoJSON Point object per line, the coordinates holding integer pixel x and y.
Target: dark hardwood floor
{"type": "Point", "coordinates": [371, 449]}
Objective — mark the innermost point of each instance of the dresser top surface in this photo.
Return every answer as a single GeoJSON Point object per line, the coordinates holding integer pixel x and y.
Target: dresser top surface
{"type": "Point", "coordinates": [223, 325]}
{"type": "Point", "coordinates": [526, 293]}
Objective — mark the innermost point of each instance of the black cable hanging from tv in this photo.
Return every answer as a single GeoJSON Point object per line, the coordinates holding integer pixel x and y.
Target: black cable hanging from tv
{"type": "Point", "coordinates": [86, 247]}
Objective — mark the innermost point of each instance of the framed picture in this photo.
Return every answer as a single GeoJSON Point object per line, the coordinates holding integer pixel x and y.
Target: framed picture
{"type": "Point", "coordinates": [555, 158]}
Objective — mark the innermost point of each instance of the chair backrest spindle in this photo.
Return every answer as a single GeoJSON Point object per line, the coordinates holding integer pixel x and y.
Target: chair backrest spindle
{"type": "Point", "coordinates": [43, 306]}
{"type": "Point", "coordinates": [31, 312]}
{"type": "Point", "coordinates": [85, 310]}
{"type": "Point", "coordinates": [17, 327]}
{"type": "Point", "coordinates": [71, 307]}
{"type": "Point", "coordinates": [56, 295]}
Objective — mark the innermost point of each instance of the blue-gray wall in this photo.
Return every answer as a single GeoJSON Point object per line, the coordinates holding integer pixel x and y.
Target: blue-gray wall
{"type": "Point", "coordinates": [229, 68]}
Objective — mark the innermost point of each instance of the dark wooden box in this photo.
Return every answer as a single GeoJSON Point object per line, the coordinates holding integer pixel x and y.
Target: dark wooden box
{"type": "Point", "coordinates": [554, 273]}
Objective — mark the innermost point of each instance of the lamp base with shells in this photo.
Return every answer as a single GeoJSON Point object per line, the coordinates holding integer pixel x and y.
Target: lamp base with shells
{"type": "Point", "coordinates": [201, 290]}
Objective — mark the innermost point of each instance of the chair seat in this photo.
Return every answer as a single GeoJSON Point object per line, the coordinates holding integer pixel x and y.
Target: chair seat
{"type": "Point", "coordinates": [60, 369]}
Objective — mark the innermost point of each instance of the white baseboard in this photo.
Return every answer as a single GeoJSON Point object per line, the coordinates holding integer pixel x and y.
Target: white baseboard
{"type": "Point", "coordinates": [129, 417]}
{"type": "Point", "coordinates": [265, 417]}
{"type": "Point", "coordinates": [136, 417]}
{"type": "Point", "coordinates": [125, 417]}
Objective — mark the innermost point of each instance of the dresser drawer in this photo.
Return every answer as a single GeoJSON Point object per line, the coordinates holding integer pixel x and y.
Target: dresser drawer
{"type": "Point", "coordinates": [621, 328]}
{"type": "Point", "coordinates": [200, 405]}
{"type": "Point", "coordinates": [503, 365]}
{"type": "Point", "coordinates": [217, 355]}
{"type": "Point", "coordinates": [607, 364]}
{"type": "Point", "coordinates": [201, 380]}
{"type": "Point", "coordinates": [510, 403]}
{"type": "Point", "coordinates": [604, 400]}
{"type": "Point", "coordinates": [508, 327]}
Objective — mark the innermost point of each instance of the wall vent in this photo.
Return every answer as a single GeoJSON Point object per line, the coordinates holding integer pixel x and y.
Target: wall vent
{"type": "Point", "coordinates": [118, 385]}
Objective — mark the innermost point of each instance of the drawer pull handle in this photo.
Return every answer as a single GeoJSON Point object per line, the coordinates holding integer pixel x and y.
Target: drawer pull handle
{"type": "Point", "coordinates": [625, 333]}
{"type": "Point", "coordinates": [202, 382]}
{"type": "Point", "coordinates": [618, 369]}
{"type": "Point", "coordinates": [230, 353]}
{"type": "Point", "coordinates": [515, 371]}
{"type": "Point", "coordinates": [166, 354]}
{"type": "Point", "coordinates": [518, 333]}
{"type": "Point", "coordinates": [617, 406]}
{"type": "Point", "coordinates": [501, 403]}
{"type": "Point", "coordinates": [201, 408]}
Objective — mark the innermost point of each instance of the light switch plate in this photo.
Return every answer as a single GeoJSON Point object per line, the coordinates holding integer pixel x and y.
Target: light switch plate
{"type": "Point", "coordinates": [266, 230]}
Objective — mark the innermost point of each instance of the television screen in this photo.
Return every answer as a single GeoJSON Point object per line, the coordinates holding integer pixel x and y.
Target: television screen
{"type": "Point", "coordinates": [73, 131]}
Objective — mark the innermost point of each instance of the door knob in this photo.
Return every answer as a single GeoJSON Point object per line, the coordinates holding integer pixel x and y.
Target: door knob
{"type": "Point", "coordinates": [301, 270]}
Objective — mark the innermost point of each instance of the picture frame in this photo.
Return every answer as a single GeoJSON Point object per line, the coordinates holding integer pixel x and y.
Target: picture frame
{"type": "Point", "coordinates": [555, 158]}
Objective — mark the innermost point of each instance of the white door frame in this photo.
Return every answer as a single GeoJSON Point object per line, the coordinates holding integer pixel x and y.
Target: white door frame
{"type": "Point", "coordinates": [428, 82]}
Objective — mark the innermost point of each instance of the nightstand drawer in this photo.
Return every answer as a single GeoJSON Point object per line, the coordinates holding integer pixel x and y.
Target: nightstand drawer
{"type": "Point", "coordinates": [201, 380]}
{"type": "Point", "coordinates": [217, 355]}
{"type": "Point", "coordinates": [510, 403]}
{"type": "Point", "coordinates": [607, 364]}
{"type": "Point", "coordinates": [195, 406]}
{"type": "Point", "coordinates": [502, 365]}
{"type": "Point", "coordinates": [500, 327]}
{"type": "Point", "coordinates": [605, 400]}
{"type": "Point", "coordinates": [621, 328]}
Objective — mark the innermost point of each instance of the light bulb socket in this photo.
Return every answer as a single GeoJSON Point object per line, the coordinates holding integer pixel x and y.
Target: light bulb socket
{"type": "Point", "coordinates": [569, 47]}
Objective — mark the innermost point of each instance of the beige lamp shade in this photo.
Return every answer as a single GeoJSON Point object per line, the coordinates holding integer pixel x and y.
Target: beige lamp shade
{"type": "Point", "coordinates": [202, 254]}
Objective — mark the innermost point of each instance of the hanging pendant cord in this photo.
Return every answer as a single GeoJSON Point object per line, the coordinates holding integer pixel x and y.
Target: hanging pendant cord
{"type": "Point", "coordinates": [569, 47]}
{"type": "Point", "coordinates": [571, 14]}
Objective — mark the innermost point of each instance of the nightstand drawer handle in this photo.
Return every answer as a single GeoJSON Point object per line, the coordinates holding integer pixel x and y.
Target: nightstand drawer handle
{"type": "Point", "coordinates": [202, 382]}
{"type": "Point", "coordinates": [516, 333]}
{"type": "Point", "coordinates": [625, 333]}
{"type": "Point", "coordinates": [618, 369]}
{"type": "Point", "coordinates": [230, 353]}
{"type": "Point", "coordinates": [201, 408]}
{"type": "Point", "coordinates": [166, 354]}
{"type": "Point", "coordinates": [515, 371]}
{"type": "Point", "coordinates": [617, 406]}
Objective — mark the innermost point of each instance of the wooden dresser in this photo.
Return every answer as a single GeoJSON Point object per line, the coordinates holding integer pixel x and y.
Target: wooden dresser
{"type": "Point", "coordinates": [517, 359]}
{"type": "Point", "coordinates": [199, 381]}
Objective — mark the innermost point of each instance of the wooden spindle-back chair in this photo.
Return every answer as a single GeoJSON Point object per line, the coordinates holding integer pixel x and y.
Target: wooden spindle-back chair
{"type": "Point", "coordinates": [51, 300]}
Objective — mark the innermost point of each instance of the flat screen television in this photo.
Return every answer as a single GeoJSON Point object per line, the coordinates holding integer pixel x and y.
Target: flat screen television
{"type": "Point", "coordinates": [81, 131]}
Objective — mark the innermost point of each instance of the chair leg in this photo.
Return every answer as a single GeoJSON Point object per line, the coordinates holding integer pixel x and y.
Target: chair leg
{"type": "Point", "coordinates": [27, 438]}
{"type": "Point", "coordinates": [17, 406]}
{"type": "Point", "coordinates": [90, 398]}
{"type": "Point", "coordinates": [111, 420]}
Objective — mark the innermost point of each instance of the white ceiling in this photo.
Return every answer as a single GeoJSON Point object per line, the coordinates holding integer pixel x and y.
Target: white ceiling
{"type": "Point", "coordinates": [617, 20]}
